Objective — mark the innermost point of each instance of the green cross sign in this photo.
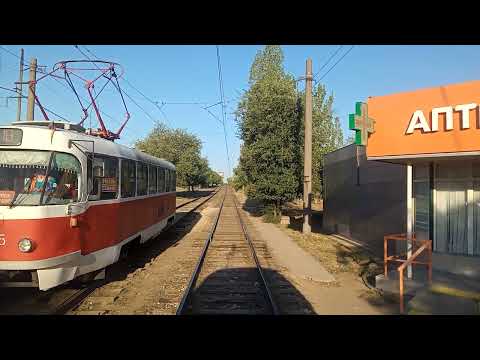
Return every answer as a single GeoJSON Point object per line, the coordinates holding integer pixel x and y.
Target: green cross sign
{"type": "Point", "coordinates": [361, 123]}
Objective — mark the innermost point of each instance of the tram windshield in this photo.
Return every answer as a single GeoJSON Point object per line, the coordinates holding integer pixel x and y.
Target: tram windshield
{"type": "Point", "coordinates": [38, 178]}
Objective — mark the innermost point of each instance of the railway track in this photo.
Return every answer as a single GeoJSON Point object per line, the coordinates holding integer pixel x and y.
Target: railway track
{"type": "Point", "coordinates": [228, 277]}
{"type": "Point", "coordinates": [66, 298]}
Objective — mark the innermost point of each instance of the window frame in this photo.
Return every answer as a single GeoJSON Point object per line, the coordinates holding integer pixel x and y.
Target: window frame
{"type": "Point", "coordinates": [124, 160]}
{"type": "Point", "coordinates": [90, 169]}
{"type": "Point", "coordinates": [145, 165]}
{"type": "Point", "coordinates": [149, 187]}
{"type": "Point", "coordinates": [160, 174]}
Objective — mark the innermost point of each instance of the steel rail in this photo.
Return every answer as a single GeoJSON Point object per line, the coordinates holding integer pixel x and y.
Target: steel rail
{"type": "Point", "coordinates": [72, 301]}
{"type": "Point", "coordinates": [181, 306]}
{"type": "Point", "coordinates": [190, 201]}
{"type": "Point", "coordinates": [269, 296]}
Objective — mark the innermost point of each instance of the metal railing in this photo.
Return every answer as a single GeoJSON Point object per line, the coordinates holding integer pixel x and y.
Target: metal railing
{"type": "Point", "coordinates": [418, 247]}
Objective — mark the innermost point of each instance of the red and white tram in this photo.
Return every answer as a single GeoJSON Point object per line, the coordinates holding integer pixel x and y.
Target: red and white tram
{"type": "Point", "coordinates": [70, 201]}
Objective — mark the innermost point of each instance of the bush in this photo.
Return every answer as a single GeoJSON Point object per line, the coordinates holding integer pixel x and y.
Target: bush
{"type": "Point", "coordinates": [269, 215]}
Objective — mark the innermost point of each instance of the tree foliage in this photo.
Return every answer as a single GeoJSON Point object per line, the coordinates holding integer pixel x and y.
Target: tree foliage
{"type": "Point", "coordinates": [327, 134]}
{"type": "Point", "coordinates": [169, 144]}
{"type": "Point", "coordinates": [269, 124]}
{"type": "Point", "coordinates": [270, 119]}
{"type": "Point", "coordinates": [181, 148]}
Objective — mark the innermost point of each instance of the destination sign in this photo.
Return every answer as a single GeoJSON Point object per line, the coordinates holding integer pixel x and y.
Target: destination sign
{"type": "Point", "coordinates": [11, 137]}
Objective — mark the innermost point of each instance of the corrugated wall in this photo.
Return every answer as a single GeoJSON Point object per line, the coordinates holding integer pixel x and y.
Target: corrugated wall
{"type": "Point", "coordinates": [366, 205]}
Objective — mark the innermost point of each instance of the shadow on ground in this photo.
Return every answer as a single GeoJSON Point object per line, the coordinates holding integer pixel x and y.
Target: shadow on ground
{"type": "Point", "coordinates": [240, 291]}
{"type": "Point", "coordinates": [138, 255]}
{"type": "Point", "coordinates": [194, 194]}
{"type": "Point", "coordinates": [356, 260]}
{"type": "Point", "coordinates": [35, 301]}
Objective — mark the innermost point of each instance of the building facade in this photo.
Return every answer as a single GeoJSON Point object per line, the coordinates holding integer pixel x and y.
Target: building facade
{"type": "Point", "coordinates": [426, 144]}
{"type": "Point", "coordinates": [364, 200]}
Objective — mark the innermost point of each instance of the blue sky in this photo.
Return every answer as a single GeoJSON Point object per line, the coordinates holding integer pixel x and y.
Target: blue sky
{"type": "Point", "coordinates": [189, 74]}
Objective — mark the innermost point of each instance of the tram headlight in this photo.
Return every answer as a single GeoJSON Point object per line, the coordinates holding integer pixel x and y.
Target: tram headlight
{"type": "Point", "coordinates": [25, 245]}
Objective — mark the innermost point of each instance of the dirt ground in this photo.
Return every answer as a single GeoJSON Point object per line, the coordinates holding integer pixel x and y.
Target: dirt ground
{"type": "Point", "coordinates": [158, 277]}
{"type": "Point", "coordinates": [354, 270]}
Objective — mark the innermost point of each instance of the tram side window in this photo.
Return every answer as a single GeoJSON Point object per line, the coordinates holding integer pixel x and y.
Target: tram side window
{"type": "Point", "coordinates": [142, 178]}
{"type": "Point", "coordinates": [152, 179]}
{"type": "Point", "coordinates": [167, 180]}
{"type": "Point", "coordinates": [103, 183]}
{"type": "Point", "coordinates": [174, 180]}
{"type": "Point", "coordinates": [161, 180]}
{"type": "Point", "coordinates": [129, 175]}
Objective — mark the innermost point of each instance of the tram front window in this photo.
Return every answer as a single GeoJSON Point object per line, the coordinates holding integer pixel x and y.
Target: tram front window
{"type": "Point", "coordinates": [24, 179]}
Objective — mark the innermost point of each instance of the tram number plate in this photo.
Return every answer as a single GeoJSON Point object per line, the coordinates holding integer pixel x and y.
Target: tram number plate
{"type": "Point", "coordinates": [11, 137]}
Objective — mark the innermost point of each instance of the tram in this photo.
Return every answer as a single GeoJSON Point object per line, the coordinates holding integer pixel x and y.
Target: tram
{"type": "Point", "coordinates": [71, 201]}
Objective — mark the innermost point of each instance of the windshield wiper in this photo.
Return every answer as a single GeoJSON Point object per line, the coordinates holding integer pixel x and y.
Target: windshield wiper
{"type": "Point", "coordinates": [15, 197]}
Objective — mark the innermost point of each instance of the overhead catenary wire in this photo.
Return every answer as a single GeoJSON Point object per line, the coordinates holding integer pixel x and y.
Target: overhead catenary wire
{"type": "Point", "coordinates": [162, 103]}
{"type": "Point", "coordinates": [333, 66]}
{"type": "Point", "coordinates": [329, 59]}
{"type": "Point", "coordinates": [222, 99]}
{"type": "Point", "coordinates": [133, 87]}
{"type": "Point", "coordinates": [61, 83]}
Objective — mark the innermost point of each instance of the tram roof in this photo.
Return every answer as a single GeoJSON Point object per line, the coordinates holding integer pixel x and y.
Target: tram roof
{"type": "Point", "coordinates": [102, 146]}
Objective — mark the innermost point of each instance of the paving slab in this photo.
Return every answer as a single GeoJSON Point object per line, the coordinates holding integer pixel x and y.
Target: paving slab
{"type": "Point", "coordinates": [291, 256]}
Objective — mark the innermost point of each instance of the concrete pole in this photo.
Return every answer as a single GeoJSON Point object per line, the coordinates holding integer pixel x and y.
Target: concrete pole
{"type": "Point", "coordinates": [409, 216]}
{"type": "Point", "coordinates": [20, 88]}
{"type": "Point", "coordinates": [307, 169]}
{"type": "Point", "coordinates": [31, 90]}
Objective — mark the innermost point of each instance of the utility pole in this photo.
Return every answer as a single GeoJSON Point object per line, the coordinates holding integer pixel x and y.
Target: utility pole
{"type": "Point", "coordinates": [20, 88]}
{"type": "Point", "coordinates": [307, 168]}
{"type": "Point", "coordinates": [31, 89]}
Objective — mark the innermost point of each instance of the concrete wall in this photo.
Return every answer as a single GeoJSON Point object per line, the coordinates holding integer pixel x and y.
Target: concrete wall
{"type": "Point", "coordinates": [368, 211]}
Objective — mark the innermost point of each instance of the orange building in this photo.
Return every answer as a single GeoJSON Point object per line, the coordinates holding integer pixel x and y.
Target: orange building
{"type": "Point", "coordinates": [435, 132]}
{"type": "Point", "coordinates": [433, 137]}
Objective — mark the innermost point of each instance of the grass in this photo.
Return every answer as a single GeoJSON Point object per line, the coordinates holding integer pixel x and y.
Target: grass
{"type": "Point", "coordinates": [269, 215]}
{"type": "Point", "coordinates": [335, 257]}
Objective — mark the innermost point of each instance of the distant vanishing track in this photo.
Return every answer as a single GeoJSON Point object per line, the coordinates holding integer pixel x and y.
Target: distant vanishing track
{"type": "Point", "coordinates": [228, 278]}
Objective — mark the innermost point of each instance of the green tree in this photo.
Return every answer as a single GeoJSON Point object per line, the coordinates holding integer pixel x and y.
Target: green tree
{"type": "Point", "coordinates": [192, 170]}
{"type": "Point", "coordinates": [269, 123]}
{"type": "Point", "coordinates": [169, 144]}
{"type": "Point", "coordinates": [213, 178]}
{"type": "Point", "coordinates": [327, 134]}
{"type": "Point", "coordinates": [239, 179]}
{"type": "Point", "coordinates": [350, 140]}
{"type": "Point", "coordinates": [180, 148]}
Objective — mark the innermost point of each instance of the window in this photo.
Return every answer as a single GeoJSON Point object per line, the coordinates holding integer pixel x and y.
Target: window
{"type": "Point", "coordinates": [129, 175]}
{"type": "Point", "coordinates": [167, 180]}
{"type": "Point", "coordinates": [103, 184]}
{"type": "Point", "coordinates": [152, 179]}
{"type": "Point", "coordinates": [174, 180]}
{"type": "Point", "coordinates": [24, 179]}
{"type": "Point", "coordinates": [142, 178]}
{"type": "Point", "coordinates": [161, 180]}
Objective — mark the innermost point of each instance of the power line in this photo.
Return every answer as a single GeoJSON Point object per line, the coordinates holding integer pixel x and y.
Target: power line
{"type": "Point", "coordinates": [18, 57]}
{"type": "Point", "coordinates": [48, 110]}
{"type": "Point", "coordinates": [330, 58]}
{"type": "Point", "coordinates": [133, 87]}
{"type": "Point", "coordinates": [345, 54]}
{"type": "Point", "coordinates": [222, 98]}
{"type": "Point", "coordinates": [10, 52]}
{"type": "Point", "coordinates": [124, 92]}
